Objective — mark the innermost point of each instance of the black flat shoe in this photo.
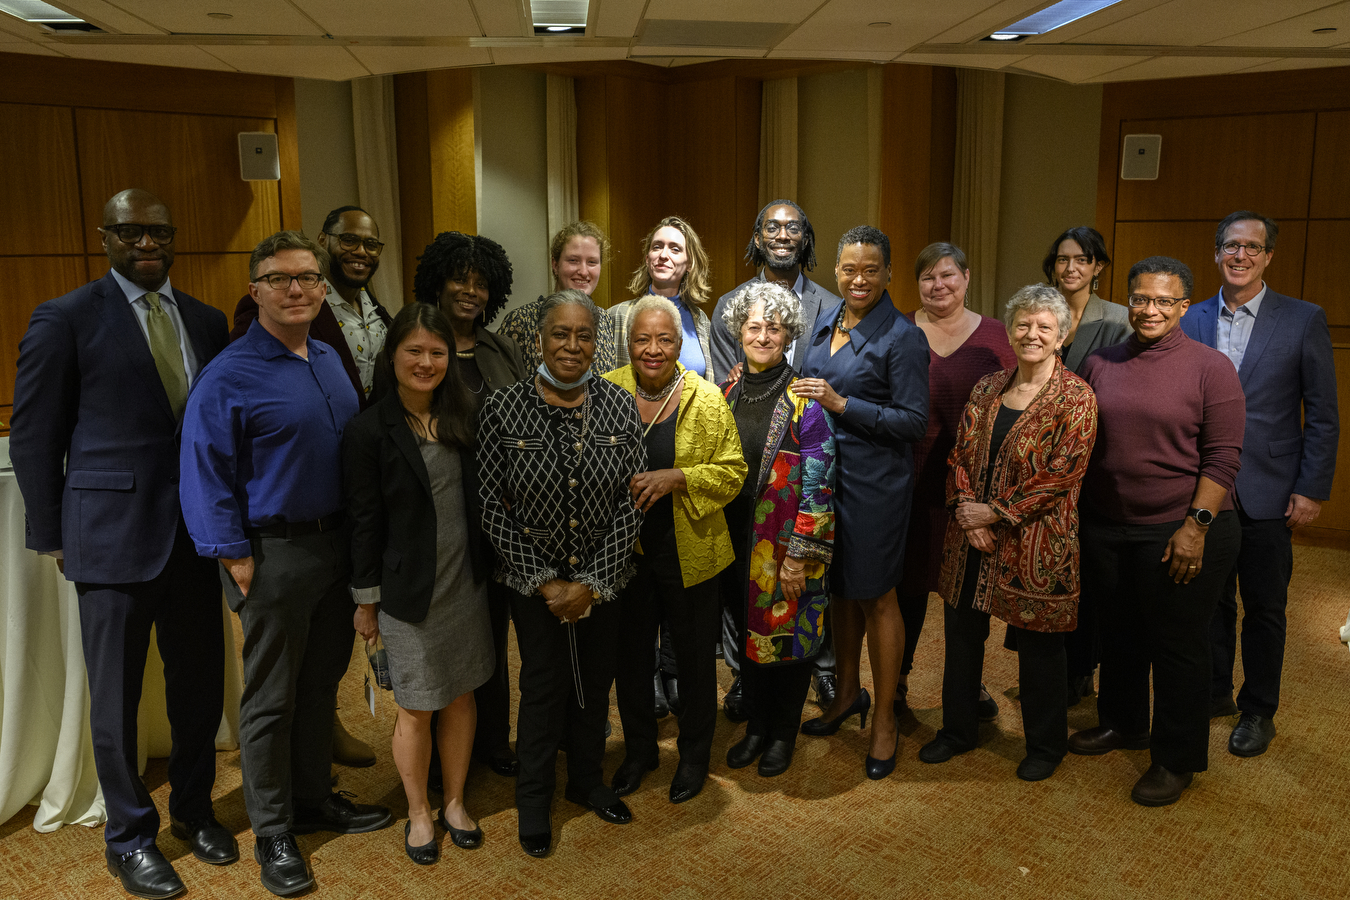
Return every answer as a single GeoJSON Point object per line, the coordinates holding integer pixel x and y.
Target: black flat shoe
{"type": "Point", "coordinates": [662, 704]}
{"type": "Point", "coordinates": [821, 726]}
{"type": "Point", "coordinates": [211, 842]}
{"type": "Point", "coordinates": [1033, 769]}
{"type": "Point", "coordinates": [687, 783]}
{"type": "Point", "coordinates": [733, 704]}
{"type": "Point", "coordinates": [537, 845]}
{"type": "Point", "coordinates": [986, 709]}
{"type": "Point", "coordinates": [284, 871]}
{"type": "Point", "coordinates": [877, 769]}
{"type": "Point", "coordinates": [776, 759]}
{"type": "Point", "coordinates": [464, 840]}
{"type": "Point", "coordinates": [424, 855]}
{"type": "Point", "coordinates": [144, 873]}
{"type": "Point", "coordinates": [745, 751]}
{"type": "Point", "coordinates": [628, 778]}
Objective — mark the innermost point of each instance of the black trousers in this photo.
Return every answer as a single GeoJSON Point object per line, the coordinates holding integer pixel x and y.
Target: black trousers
{"type": "Point", "coordinates": [183, 604]}
{"type": "Point", "coordinates": [913, 610]}
{"type": "Point", "coordinates": [565, 675]}
{"type": "Point", "coordinates": [1040, 674]}
{"type": "Point", "coordinates": [1265, 563]}
{"type": "Point", "coordinates": [1149, 622]}
{"type": "Point", "coordinates": [297, 623]}
{"type": "Point", "coordinates": [1084, 644]}
{"type": "Point", "coordinates": [774, 697]}
{"type": "Point", "coordinates": [693, 615]}
{"type": "Point", "coordinates": [493, 697]}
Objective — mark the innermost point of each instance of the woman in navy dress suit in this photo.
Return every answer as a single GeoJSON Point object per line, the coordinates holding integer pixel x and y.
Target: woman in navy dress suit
{"type": "Point", "coordinates": [868, 365]}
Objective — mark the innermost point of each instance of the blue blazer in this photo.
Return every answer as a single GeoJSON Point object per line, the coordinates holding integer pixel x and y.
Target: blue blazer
{"type": "Point", "coordinates": [93, 440]}
{"type": "Point", "coordinates": [1289, 378]}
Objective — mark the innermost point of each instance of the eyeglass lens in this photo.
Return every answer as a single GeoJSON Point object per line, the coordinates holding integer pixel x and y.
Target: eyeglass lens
{"type": "Point", "coordinates": [348, 241]}
{"type": "Point", "coordinates": [132, 234]}
{"type": "Point", "coordinates": [771, 228]}
{"type": "Point", "coordinates": [280, 281]}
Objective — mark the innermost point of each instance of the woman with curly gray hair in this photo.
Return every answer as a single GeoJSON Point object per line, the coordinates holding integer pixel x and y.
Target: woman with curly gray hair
{"type": "Point", "coordinates": [782, 527]}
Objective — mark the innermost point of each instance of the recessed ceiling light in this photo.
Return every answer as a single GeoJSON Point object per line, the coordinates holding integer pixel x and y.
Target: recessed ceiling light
{"type": "Point", "coordinates": [559, 27]}
{"type": "Point", "coordinates": [219, 16]}
{"type": "Point", "coordinates": [559, 16]}
{"type": "Point", "coordinates": [1004, 36]}
{"type": "Point", "coordinates": [38, 13]}
{"type": "Point", "coordinates": [1055, 16]}
{"type": "Point", "coordinates": [878, 24]}
{"type": "Point", "coordinates": [1324, 31]}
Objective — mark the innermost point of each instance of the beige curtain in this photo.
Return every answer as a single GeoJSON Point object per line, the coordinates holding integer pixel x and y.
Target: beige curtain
{"type": "Point", "coordinates": [377, 179]}
{"type": "Point", "coordinates": [561, 137]}
{"type": "Point", "coordinates": [778, 141]}
{"type": "Point", "coordinates": [979, 166]}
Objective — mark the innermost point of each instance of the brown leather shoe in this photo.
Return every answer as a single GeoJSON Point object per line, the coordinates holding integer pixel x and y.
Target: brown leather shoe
{"type": "Point", "coordinates": [1099, 740]}
{"type": "Point", "coordinates": [1160, 787]}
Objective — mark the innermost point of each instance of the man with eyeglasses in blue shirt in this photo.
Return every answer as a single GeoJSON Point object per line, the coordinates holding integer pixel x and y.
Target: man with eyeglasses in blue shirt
{"type": "Point", "coordinates": [1281, 348]}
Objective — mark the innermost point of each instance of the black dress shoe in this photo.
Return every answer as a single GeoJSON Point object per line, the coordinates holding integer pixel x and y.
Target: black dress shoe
{"type": "Point", "coordinates": [745, 751]}
{"type": "Point", "coordinates": [825, 690]}
{"type": "Point", "coordinates": [537, 845]}
{"type": "Point", "coordinates": [469, 839]}
{"type": "Point", "coordinates": [776, 759]}
{"type": "Point", "coordinates": [211, 842]}
{"type": "Point", "coordinates": [423, 855]}
{"type": "Point", "coordinates": [616, 813]}
{"type": "Point", "coordinates": [145, 873]}
{"type": "Point", "coordinates": [986, 709]}
{"type": "Point", "coordinates": [1080, 686]}
{"type": "Point", "coordinates": [1223, 706]}
{"type": "Point", "coordinates": [1252, 735]}
{"type": "Point", "coordinates": [1099, 740]}
{"type": "Point", "coordinates": [284, 871]}
{"type": "Point", "coordinates": [672, 688]}
{"type": "Point", "coordinates": [733, 704]}
{"type": "Point", "coordinates": [503, 761]}
{"type": "Point", "coordinates": [687, 783]}
{"type": "Point", "coordinates": [1035, 769]}
{"type": "Point", "coordinates": [628, 778]}
{"type": "Point", "coordinates": [1160, 787]}
{"type": "Point", "coordinates": [662, 704]}
{"type": "Point", "coordinates": [339, 815]}
{"type": "Point", "coordinates": [939, 750]}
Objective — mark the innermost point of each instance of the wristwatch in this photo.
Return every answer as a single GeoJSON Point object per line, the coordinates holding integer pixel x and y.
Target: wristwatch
{"type": "Point", "coordinates": [1203, 517]}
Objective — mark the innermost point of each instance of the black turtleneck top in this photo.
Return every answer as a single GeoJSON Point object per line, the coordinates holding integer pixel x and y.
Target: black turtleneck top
{"type": "Point", "coordinates": [752, 418]}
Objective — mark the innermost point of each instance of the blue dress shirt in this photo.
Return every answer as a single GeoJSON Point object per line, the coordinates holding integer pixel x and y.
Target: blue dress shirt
{"type": "Point", "coordinates": [691, 351]}
{"type": "Point", "coordinates": [262, 440]}
{"type": "Point", "coordinates": [1234, 329]}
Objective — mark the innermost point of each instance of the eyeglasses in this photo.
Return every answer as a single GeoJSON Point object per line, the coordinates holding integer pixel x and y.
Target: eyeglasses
{"type": "Point", "coordinates": [754, 331]}
{"type": "Point", "coordinates": [280, 281]}
{"type": "Point", "coordinates": [132, 234]}
{"type": "Point", "coordinates": [771, 228]}
{"type": "Point", "coordinates": [1139, 301]}
{"type": "Point", "coordinates": [1232, 247]}
{"type": "Point", "coordinates": [348, 241]}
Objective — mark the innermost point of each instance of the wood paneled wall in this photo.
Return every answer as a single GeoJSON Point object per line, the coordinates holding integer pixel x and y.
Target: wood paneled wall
{"type": "Point", "coordinates": [1279, 150]}
{"type": "Point", "coordinates": [73, 133]}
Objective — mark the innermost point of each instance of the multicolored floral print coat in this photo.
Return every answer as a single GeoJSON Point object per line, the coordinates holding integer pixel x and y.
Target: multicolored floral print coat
{"type": "Point", "coordinates": [1030, 580]}
{"type": "Point", "coordinates": [793, 516]}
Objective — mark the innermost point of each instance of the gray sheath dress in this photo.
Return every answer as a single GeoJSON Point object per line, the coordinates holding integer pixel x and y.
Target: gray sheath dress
{"type": "Point", "coordinates": [448, 653]}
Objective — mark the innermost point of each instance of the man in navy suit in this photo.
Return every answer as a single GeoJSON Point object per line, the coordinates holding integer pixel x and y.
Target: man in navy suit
{"type": "Point", "coordinates": [103, 377]}
{"type": "Point", "coordinates": [1282, 350]}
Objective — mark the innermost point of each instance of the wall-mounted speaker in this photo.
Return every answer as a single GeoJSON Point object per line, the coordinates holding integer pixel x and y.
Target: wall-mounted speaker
{"type": "Point", "coordinates": [258, 159]}
{"type": "Point", "coordinates": [1139, 159]}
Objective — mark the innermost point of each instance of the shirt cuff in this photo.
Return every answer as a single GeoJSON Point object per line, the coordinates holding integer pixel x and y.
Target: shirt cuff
{"type": "Point", "coordinates": [236, 550]}
{"type": "Point", "coordinates": [366, 596]}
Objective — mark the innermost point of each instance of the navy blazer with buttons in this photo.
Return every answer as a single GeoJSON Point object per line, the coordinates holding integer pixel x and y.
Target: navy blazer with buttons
{"type": "Point", "coordinates": [1288, 375]}
{"type": "Point", "coordinates": [93, 440]}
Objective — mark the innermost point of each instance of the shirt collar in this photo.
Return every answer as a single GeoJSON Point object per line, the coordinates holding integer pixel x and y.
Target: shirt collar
{"type": "Point", "coordinates": [270, 348]}
{"type": "Point", "coordinates": [134, 292]}
{"type": "Point", "coordinates": [335, 299]}
{"type": "Point", "coordinates": [1252, 306]}
{"type": "Point", "coordinates": [798, 288]}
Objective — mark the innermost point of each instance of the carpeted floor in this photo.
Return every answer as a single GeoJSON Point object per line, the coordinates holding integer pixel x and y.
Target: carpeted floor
{"type": "Point", "coordinates": [1277, 826]}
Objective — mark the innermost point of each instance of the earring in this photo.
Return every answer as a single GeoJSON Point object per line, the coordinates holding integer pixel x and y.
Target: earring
{"type": "Point", "coordinates": [1094, 284]}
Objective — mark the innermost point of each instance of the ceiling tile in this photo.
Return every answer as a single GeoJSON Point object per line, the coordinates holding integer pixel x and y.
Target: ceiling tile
{"type": "Point", "coordinates": [722, 11]}
{"type": "Point", "coordinates": [181, 55]}
{"type": "Point", "coordinates": [249, 17]}
{"type": "Point", "coordinates": [393, 18]}
{"type": "Point", "coordinates": [1296, 31]}
{"type": "Point", "coordinates": [960, 60]}
{"type": "Point", "coordinates": [1188, 23]}
{"type": "Point", "coordinates": [502, 18]}
{"type": "Point", "coordinates": [616, 18]}
{"type": "Point", "coordinates": [387, 60]}
{"type": "Point", "coordinates": [17, 46]}
{"type": "Point", "coordinates": [523, 56]}
{"type": "Point", "coordinates": [325, 63]}
{"type": "Point", "coordinates": [859, 55]}
{"type": "Point", "coordinates": [1284, 64]}
{"type": "Point", "coordinates": [1182, 67]}
{"type": "Point", "coordinates": [109, 17]}
{"type": "Point", "coordinates": [739, 52]}
{"type": "Point", "coordinates": [845, 25]}
{"type": "Point", "coordinates": [1076, 69]}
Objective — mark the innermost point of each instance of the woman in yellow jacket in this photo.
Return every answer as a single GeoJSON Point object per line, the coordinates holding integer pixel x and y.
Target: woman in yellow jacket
{"type": "Point", "coordinates": [694, 468]}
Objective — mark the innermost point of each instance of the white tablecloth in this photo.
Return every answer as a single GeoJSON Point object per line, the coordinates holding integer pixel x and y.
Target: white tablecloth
{"type": "Point", "coordinates": [46, 752]}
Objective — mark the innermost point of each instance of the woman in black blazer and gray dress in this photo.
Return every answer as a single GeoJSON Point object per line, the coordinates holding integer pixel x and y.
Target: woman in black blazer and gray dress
{"type": "Point", "coordinates": [419, 575]}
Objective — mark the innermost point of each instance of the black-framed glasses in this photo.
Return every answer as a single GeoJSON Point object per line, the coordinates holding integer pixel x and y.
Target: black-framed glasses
{"type": "Point", "coordinates": [129, 233]}
{"type": "Point", "coordinates": [280, 281]}
{"type": "Point", "coordinates": [1232, 247]}
{"type": "Point", "coordinates": [349, 241]}
{"type": "Point", "coordinates": [1139, 301]}
{"type": "Point", "coordinates": [793, 229]}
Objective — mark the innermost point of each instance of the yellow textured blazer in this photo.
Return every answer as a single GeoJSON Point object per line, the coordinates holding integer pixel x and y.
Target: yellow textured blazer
{"type": "Point", "coordinates": [708, 450]}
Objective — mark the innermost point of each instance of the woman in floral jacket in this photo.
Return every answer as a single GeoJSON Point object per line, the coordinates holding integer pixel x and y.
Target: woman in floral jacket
{"type": "Point", "coordinates": [1012, 545]}
{"type": "Point", "coordinates": [782, 525]}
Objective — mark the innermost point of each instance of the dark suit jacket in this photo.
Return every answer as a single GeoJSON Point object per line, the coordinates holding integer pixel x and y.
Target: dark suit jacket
{"type": "Point", "coordinates": [87, 391]}
{"type": "Point", "coordinates": [393, 513]}
{"type": "Point", "coordinates": [1103, 324]}
{"type": "Point", "coordinates": [324, 328]}
{"type": "Point", "coordinates": [726, 347]}
{"type": "Point", "coordinates": [1289, 378]}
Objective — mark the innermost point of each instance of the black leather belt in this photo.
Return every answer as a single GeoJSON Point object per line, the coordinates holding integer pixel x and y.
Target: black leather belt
{"type": "Point", "coordinates": [290, 530]}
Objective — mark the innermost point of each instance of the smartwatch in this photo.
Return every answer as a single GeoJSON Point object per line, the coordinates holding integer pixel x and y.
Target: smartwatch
{"type": "Point", "coordinates": [1203, 517]}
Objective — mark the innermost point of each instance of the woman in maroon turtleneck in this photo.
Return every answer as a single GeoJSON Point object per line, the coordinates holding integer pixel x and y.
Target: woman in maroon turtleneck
{"type": "Point", "coordinates": [1159, 533]}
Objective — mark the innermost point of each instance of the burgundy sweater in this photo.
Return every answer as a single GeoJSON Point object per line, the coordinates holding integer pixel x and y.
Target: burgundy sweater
{"type": "Point", "coordinates": [1167, 413]}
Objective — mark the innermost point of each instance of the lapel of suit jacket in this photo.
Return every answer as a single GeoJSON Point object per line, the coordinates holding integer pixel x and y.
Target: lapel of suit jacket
{"type": "Point", "coordinates": [1209, 322]}
{"type": "Point", "coordinates": [119, 318]}
{"type": "Point", "coordinates": [1264, 326]}
{"type": "Point", "coordinates": [391, 416]}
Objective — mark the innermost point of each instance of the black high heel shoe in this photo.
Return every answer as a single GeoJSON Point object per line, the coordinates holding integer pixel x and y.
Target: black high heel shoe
{"type": "Point", "coordinates": [464, 840]}
{"type": "Point", "coordinates": [425, 855]}
{"type": "Point", "coordinates": [878, 769]}
{"type": "Point", "coordinates": [821, 726]}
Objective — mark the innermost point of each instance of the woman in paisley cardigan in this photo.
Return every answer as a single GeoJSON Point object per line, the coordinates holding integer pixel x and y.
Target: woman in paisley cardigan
{"type": "Point", "coordinates": [1012, 544]}
{"type": "Point", "coordinates": [782, 526]}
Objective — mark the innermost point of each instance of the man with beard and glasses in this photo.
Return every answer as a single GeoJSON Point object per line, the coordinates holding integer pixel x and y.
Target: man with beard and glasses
{"type": "Point", "coordinates": [783, 249]}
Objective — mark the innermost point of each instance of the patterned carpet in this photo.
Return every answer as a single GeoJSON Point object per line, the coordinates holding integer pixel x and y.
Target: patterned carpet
{"type": "Point", "coordinates": [1276, 826]}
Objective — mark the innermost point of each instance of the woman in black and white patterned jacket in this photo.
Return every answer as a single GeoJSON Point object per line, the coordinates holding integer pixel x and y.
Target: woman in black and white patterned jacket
{"type": "Point", "coordinates": [556, 452]}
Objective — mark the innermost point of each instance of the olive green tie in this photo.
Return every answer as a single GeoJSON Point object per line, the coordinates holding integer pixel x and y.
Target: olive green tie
{"type": "Point", "coordinates": [168, 356]}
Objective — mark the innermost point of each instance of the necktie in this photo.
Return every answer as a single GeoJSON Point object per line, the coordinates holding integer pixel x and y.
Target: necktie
{"type": "Point", "coordinates": [168, 357]}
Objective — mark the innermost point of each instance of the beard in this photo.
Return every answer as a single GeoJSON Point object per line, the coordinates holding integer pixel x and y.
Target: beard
{"type": "Point", "coordinates": [773, 261]}
{"type": "Point", "coordinates": [339, 278]}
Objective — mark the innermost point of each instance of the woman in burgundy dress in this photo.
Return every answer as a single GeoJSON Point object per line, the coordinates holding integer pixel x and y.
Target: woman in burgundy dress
{"type": "Point", "coordinates": [963, 347]}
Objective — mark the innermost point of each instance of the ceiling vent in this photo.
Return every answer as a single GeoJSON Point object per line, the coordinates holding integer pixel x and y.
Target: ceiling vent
{"type": "Point", "coordinates": [681, 33]}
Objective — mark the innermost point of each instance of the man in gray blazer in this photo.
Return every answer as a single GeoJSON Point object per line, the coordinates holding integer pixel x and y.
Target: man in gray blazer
{"type": "Point", "coordinates": [783, 249]}
{"type": "Point", "coordinates": [1281, 348]}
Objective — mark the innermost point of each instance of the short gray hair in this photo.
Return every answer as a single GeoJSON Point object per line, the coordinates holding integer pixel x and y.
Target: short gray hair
{"type": "Point", "coordinates": [570, 297]}
{"type": "Point", "coordinates": [649, 302]}
{"type": "Point", "coordinates": [1036, 298]}
{"type": "Point", "coordinates": [779, 303]}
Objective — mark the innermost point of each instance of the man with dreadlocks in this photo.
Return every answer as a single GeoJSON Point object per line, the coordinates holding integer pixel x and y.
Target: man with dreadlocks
{"type": "Point", "coordinates": [783, 249]}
